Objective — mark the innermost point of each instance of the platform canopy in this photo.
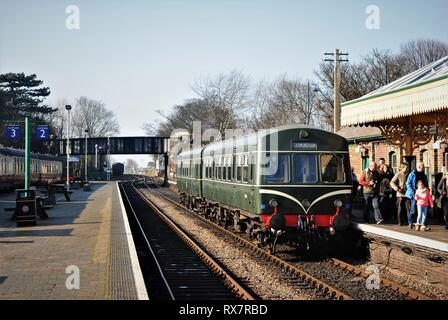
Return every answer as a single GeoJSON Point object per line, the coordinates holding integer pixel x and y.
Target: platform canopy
{"type": "Point", "coordinates": [408, 110]}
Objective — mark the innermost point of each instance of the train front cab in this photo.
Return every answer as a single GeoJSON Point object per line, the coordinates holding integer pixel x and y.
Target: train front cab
{"type": "Point", "coordinates": [304, 186]}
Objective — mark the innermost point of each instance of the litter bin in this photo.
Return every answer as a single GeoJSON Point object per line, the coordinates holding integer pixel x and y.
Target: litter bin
{"type": "Point", "coordinates": [25, 207]}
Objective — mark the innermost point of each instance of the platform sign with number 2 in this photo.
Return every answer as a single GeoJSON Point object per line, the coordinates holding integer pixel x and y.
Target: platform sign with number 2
{"type": "Point", "coordinates": [13, 132]}
{"type": "Point", "coordinates": [42, 132]}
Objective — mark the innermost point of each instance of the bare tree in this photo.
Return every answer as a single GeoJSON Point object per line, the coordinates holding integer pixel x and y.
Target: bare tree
{"type": "Point", "coordinates": [284, 101]}
{"type": "Point", "coordinates": [181, 116]}
{"type": "Point", "coordinates": [374, 70]}
{"type": "Point", "coordinates": [93, 115]}
{"type": "Point", "coordinates": [58, 119]}
{"type": "Point", "coordinates": [418, 53]}
{"type": "Point", "coordinates": [226, 97]}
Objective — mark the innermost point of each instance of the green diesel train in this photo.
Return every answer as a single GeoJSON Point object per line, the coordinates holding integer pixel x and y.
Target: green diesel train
{"type": "Point", "coordinates": [292, 181]}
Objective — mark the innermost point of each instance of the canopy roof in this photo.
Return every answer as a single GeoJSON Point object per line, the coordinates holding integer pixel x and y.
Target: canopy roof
{"type": "Point", "coordinates": [422, 91]}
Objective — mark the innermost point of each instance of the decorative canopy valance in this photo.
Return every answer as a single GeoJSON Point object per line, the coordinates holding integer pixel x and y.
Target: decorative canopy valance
{"type": "Point", "coordinates": [422, 91]}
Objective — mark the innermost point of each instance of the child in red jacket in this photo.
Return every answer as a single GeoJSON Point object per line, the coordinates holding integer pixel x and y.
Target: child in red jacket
{"type": "Point", "coordinates": [424, 200]}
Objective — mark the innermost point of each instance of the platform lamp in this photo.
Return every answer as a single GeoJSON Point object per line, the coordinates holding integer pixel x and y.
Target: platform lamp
{"type": "Point", "coordinates": [68, 108]}
{"type": "Point", "coordinates": [85, 159]}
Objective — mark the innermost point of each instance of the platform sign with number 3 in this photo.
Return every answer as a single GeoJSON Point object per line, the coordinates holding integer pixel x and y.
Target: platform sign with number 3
{"type": "Point", "coordinates": [42, 132]}
{"type": "Point", "coordinates": [13, 132]}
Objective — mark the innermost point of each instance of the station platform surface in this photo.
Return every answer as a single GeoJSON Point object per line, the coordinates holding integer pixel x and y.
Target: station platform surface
{"type": "Point", "coordinates": [436, 238]}
{"type": "Point", "coordinates": [90, 233]}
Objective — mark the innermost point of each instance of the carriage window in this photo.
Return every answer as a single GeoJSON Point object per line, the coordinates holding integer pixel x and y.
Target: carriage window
{"type": "Point", "coordinates": [275, 168]}
{"type": "Point", "coordinates": [239, 168]}
{"type": "Point", "coordinates": [305, 168]}
{"type": "Point", "coordinates": [332, 168]}
{"type": "Point", "coordinates": [245, 169]}
{"type": "Point", "coordinates": [229, 168]}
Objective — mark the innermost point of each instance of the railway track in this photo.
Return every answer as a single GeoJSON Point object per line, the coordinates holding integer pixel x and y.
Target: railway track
{"type": "Point", "coordinates": [179, 268]}
{"type": "Point", "coordinates": [342, 280]}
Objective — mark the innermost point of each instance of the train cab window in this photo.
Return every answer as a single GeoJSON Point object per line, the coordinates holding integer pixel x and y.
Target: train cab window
{"type": "Point", "coordinates": [275, 168]}
{"type": "Point", "coordinates": [305, 168]}
{"type": "Point", "coordinates": [332, 168]}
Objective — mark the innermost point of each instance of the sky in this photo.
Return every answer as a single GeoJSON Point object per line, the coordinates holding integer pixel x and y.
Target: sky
{"type": "Point", "coordinates": [143, 56]}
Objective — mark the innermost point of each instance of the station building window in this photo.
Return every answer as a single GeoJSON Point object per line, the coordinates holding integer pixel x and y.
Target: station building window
{"type": "Point", "coordinates": [393, 162]}
{"type": "Point", "coordinates": [424, 157]}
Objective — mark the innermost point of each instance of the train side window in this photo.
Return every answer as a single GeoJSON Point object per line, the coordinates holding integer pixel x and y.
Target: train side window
{"type": "Point", "coordinates": [224, 169]}
{"type": "Point", "coordinates": [229, 168]}
{"type": "Point", "coordinates": [239, 168]}
{"type": "Point", "coordinates": [245, 169]}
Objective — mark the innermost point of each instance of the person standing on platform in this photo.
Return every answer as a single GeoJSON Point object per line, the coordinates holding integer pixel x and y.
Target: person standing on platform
{"type": "Point", "coordinates": [398, 183]}
{"type": "Point", "coordinates": [424, 200]}
{"type": "Point", "coordinates": [443, 190]}
{"type": "Point", "coordinates": [411, 185]}
{"type": "Point", "coordinates": [370, 180]}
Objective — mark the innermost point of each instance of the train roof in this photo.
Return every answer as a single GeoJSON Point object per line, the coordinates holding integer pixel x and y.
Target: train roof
{"type": "Point", "coordinates": [12, 152]}
{"type": "Point", "coordinates": [250, 140]}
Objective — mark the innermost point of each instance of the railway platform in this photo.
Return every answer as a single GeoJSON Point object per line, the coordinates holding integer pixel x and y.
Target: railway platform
{"type": "Point", "coordinates": [84, 250]}
{"type": "Point", "coordinates": [423, 254]}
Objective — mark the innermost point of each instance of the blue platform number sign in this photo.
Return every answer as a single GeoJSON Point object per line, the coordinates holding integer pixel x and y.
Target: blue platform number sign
{"type": "Point", "coordinates": [42, 132]}
{"type": "Point", "coordinates": [13, 132]}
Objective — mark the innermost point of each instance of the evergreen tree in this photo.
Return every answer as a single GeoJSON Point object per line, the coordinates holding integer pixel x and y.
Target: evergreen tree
{"type": "Point", "coordinates": [23, 95]}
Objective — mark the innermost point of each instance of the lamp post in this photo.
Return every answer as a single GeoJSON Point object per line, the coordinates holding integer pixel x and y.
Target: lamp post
{"type": "Point", "coordinates": [85, 159]}
{"type": "Point", "coordinates": [68, 108]}
{"type": "Point", "coordinates": [96, 156]}
{"type": "Point", "coordinates": [308, 103]}
{"type": "Point", "coordinates": [108, 159]}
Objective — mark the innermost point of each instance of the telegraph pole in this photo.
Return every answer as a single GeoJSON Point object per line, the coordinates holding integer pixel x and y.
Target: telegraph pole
{"type": "Point", "coordinates": [336, 85]}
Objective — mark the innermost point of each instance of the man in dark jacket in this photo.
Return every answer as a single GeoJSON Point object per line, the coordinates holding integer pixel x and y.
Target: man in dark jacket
{"type": "Point", "coordinates": [411, 185]}
{"type": "Point", "coordinates": [370, 180]}
{"type": "Point", "coordinates": [443, 190]}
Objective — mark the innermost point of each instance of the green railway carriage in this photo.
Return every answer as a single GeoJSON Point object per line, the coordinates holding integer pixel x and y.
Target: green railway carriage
{"type": "Point", "coordinates": [289, 179]}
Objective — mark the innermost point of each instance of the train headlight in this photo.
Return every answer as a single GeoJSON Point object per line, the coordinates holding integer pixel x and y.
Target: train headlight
{"type": "Point", "coordinates": [337, 203]}
{"type": "Point", "coordinates": [25, 209]}
{"type": "Point", "coordinates": [273, 203]}
{"type": "Point", "coordinates": [306, 202]}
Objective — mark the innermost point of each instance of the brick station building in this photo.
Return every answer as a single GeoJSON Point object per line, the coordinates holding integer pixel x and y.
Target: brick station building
{"type": "Point", "coordinates": [405, 118]}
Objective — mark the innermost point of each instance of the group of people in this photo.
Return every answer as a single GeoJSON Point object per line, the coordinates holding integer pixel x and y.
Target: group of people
{"type": "Point", "coordinates": [411, 192]}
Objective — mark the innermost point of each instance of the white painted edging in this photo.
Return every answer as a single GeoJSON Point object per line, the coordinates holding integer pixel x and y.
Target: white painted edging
{"type": "Point", "coordinates": [433, 244]}
{"type": "Point", "coordinates": [142, 294]}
